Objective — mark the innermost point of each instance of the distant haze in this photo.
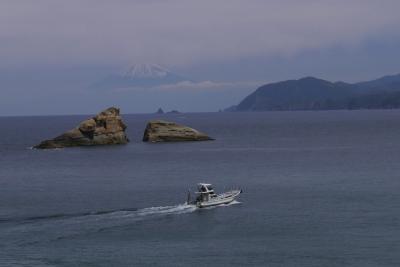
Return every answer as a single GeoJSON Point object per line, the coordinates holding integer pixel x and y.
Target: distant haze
{"type": "Point", "coordinates": [53, 52]}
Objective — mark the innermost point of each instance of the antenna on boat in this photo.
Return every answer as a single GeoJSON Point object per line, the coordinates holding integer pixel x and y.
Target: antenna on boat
{"type": "Point", "coordinates": [188, 197]}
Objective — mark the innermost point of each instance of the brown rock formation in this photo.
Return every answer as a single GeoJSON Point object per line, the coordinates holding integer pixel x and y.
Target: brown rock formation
{"type": "Point", "coordinates": [106, 128]}
{"type": "Point", "coordinates": [164, 131]}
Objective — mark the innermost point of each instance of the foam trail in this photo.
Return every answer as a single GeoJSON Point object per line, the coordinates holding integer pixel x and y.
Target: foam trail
{"type": "Point", "coordinates": [85, 223]}
{"type": "Point", "coordinates": [178, 209]}
{"type": "Point", "coordinates": [74, 225]}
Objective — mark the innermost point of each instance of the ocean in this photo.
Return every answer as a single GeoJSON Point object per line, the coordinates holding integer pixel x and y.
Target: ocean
{"type": "Point", "coordinates": [319, 189]}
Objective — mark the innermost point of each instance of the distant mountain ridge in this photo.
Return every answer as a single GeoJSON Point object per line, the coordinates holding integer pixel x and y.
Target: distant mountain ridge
{"type": "Point", "coordinates": [139, 76]}
{"type": "Point", "coordinates": [311, 93]}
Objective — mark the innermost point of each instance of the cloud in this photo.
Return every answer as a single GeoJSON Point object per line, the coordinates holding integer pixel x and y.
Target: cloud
{"type": "Point", "coordinates": [190, 87]}
{"type": "Point", "coordinates": [182, 32]}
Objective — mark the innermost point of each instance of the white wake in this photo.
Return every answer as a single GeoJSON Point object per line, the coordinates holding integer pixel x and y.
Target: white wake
{"type": "Point", "coordinates": [92, 222]}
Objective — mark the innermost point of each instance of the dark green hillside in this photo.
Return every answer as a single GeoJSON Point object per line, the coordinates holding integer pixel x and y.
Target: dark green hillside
{"type": "Point", "coordinates": [316, 94]}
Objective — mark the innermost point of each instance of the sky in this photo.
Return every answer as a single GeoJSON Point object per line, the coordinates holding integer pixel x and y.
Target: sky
{"type": "Point", "coordinates": [52, 51]}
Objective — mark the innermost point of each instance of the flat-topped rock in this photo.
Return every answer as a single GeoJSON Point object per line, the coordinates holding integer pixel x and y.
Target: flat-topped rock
{"type": "Point", "coordinates": [164, 131]}
{"type": "Point", "coordinates": [106, 128]}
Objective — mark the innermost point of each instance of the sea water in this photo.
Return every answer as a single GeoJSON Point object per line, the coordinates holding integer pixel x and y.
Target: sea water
{"type": "Point", "coordinates": [319, 189]}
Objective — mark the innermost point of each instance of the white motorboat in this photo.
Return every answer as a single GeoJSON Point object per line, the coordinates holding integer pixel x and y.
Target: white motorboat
{"type": "Point", "coordinates": [206, 197]}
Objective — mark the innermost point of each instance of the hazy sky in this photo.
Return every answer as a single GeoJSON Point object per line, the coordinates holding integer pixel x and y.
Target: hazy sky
{"type": "Point", "coordinates": [51, 51]}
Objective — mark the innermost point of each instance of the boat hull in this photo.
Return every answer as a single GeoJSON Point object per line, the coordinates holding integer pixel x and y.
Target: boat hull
{"type": "Point", "coordinates": [224, 198]}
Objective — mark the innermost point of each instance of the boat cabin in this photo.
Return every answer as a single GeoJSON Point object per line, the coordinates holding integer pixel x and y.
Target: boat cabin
{"type": "Point", "coordinates": [205, 192]}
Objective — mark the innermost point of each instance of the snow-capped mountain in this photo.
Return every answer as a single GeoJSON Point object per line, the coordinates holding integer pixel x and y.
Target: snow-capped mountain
{"type": "Point", "coordinates": [139, 76]}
